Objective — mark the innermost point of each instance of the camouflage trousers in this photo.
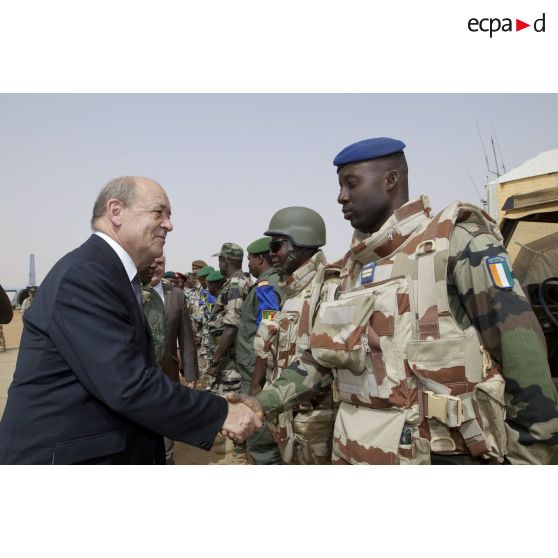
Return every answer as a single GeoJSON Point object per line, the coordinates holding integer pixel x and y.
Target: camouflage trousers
{"type": "Point", "coordinates": [228, 378]}
{"type": "Point", "coordinates": [305, 435]}
{"type": "Point", "coordinates": [262, 449]}
{"type": "Point", "coordinates": [2, 339]}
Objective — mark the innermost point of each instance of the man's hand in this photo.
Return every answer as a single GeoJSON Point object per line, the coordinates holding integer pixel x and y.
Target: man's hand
{"type": "Point", "coordinates": [190, 384]}
{"type": "Point", "coordinates": [243, 419]}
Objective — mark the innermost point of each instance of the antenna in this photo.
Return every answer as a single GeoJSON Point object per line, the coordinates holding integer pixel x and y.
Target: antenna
{"type": "Point", "coordinates": [495, 158]}
{"type": "Point", "coordinates": [483, 201]}
{"type": "Point", "coordinates": [32, 279]}
{"type": "Point", "coordinates": [497, 173]}
{"type": "Point", "coordinates": [500, 152]}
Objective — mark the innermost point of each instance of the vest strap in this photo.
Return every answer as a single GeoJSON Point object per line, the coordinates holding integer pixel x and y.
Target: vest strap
{"type": "Point", "coordinates": [428, 325]}
{"type": "Point", "coordinates": [450, 411]}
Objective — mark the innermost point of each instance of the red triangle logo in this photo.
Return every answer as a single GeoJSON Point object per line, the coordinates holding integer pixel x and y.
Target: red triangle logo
{"type": "Point", "coordinates": [519, 25]}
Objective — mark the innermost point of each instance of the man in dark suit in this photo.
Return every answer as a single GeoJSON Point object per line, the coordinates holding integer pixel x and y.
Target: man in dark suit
{"type": "Point", "coordinates": [177, 325]}
{"type": "Point", "coordinates": [166, 310]}
{"type": "Point", "coordinates": [86, 388]}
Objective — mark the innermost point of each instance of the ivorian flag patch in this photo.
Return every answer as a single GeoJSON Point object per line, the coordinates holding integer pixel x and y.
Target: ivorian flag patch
{"type": "Point", "coordinates": [500, 272]}
{"type": "Point", "coordinates": [268, 314]}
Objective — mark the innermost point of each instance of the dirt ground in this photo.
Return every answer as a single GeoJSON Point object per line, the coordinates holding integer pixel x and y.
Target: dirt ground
{"type": "Point", "coordinates": [220, 454]}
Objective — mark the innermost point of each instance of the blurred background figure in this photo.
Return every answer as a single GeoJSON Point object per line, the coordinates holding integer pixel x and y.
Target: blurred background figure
{"type": "Point", "coordinates": [6, 314]}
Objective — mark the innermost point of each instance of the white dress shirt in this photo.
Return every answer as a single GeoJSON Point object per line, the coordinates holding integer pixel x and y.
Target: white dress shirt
{"type": "Point", "coordinates": [125, 258]}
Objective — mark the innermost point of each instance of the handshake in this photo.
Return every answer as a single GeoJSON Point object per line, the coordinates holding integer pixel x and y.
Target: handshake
{"type": "Point", "coordinates": [245, 416]}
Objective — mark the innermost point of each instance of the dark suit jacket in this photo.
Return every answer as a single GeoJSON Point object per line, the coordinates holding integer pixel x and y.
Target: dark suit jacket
{"type": "Point", "coordinates": [178, 327]}
{"type": "Point", "coordinates": [85, 388]}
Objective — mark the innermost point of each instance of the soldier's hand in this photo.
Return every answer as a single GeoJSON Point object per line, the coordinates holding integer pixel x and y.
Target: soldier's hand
{"type": "Point", "coordinates": [190, 384]}
{"type": "Point", "coordinates": [212, 371]}
{"type": "Point", "coordinates": [247, 400]}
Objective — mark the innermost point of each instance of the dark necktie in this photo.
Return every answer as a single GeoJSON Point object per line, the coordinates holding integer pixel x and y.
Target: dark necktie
{"type": "Point", "coordinates": [137, 291]}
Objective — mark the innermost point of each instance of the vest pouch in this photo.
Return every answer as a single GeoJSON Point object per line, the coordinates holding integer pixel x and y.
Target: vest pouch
{"type": "Point", "coordinates": [363, 435]}
{"type": "Point", "coordinates": [339, 337]}
{"type": "Point", "coordinates": [413, 450]}
{"type": "Point", "coordinates": [313, 433]}
{"type": "Point", "coordinates": [489, 398]}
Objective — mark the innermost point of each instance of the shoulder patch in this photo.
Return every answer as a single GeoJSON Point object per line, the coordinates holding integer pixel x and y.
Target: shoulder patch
{"type": "Point", "coordinates": [263, 283]}
{"type": "Point", "coordinates": [500, 272]}
{"type": "Point", "coordinates": [234, 281]}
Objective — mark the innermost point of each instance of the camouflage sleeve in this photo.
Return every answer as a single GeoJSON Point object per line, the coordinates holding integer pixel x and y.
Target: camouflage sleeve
{"type": "Point", "coordinates": [509, 329]}
{"type": "Point", "coordinates": [264, 338]}
{"type": "Point", "coordinates": [296, 384]}
{"type": "Point", "coordinates": [233, 306]}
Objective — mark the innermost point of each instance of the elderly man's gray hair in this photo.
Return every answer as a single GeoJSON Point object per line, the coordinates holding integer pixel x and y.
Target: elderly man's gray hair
{"type": "Point", "coordinates": [123, 189]}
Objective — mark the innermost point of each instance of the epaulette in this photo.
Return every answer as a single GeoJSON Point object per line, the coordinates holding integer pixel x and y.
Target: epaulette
{"type": "Point", "coordinates": [263, 283]}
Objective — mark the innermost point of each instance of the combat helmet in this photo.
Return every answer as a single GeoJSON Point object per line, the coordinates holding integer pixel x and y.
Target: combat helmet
{"type": "Point", "coordinates": [303, 226]}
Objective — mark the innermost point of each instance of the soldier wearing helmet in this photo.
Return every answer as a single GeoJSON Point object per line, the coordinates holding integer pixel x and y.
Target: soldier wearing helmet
{"type": "Point", "coordinates": [304, 434]}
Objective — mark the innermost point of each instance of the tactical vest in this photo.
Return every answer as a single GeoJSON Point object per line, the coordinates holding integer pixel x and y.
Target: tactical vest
{"type": "Point", "coordinates": [410, 380]}
{"type": "Point", "coordinates": [290, 328]}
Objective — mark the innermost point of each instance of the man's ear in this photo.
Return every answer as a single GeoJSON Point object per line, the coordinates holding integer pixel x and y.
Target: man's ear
{"type": "Point", "coordinates": [392, 178]}
{"type": "Point", "coordinates": [114, 212]}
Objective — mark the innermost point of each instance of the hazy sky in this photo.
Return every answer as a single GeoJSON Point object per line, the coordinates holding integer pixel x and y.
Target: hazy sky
{"type": "Point", "coordinates": [228, 162]}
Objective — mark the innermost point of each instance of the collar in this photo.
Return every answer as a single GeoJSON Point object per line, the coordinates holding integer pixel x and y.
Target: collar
{"type": "Point", "coordinates": [125, 258]}
{"type": "Point", "coordinates": [394, 232]}
{"type": "Point", "coordinates": [158, 288]}
{"type": "Point", "coordinates": [298, 280]}
{"type": "Point", "coordinates": [268, 273]}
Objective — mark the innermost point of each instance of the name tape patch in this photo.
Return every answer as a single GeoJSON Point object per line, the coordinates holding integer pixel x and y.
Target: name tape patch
{"type": "Point", "coordinates": [367, 273]}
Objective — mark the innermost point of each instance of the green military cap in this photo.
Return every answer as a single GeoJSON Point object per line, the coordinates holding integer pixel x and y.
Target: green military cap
{"type": "Point", "coordinates": [260, 246]}
{"type": "Point", "coordinates": [215, 276]}
{"type": "Point", "coordinates": [205, 271]}
{"type": "Point", "coordinates": [169, 275]}
{"type": "Point", "coordinates": [230, 250]}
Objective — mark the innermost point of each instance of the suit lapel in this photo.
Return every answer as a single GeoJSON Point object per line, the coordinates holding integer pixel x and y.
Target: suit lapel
{"type": "Point", "coordinates": [112, 261]}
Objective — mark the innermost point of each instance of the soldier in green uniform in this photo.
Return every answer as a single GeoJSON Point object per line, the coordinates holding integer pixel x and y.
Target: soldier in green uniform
{"type": "Point", "coordinates": [435, 353]}
{"type": "Point", "coordinates": [262, 302]}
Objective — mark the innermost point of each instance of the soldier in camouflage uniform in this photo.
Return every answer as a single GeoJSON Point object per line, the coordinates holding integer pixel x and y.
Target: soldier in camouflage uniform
{"type": "Point", "coordinates": [202, 317]}
{"type": "Point", "coordinates": [192, 293]}
{"type": "Point", "coordinates": [225, 319]}
{"type": "Point", "coordinates": [303, 433]}
{"type": "Point", "coordinates": [434, 350]}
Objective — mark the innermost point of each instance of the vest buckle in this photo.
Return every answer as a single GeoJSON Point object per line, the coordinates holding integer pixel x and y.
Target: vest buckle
{"type": "Point", "coordinates": [426, 247]}
{"type": "Point", "coordinates": [448, 409]}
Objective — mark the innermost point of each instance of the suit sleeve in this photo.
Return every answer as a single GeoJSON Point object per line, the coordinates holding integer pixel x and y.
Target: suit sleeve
{"type": "Point", "coordinates": [187, 344]}
{"type": "Point", "coordinates": [97, 332]}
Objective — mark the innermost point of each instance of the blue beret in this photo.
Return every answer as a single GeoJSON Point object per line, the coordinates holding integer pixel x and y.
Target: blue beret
{"type": "Point", "coordinates": [368, 149]}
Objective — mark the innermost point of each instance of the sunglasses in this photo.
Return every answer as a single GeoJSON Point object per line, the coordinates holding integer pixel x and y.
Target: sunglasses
{"type": "Point", "coordinates": [276, 243]}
